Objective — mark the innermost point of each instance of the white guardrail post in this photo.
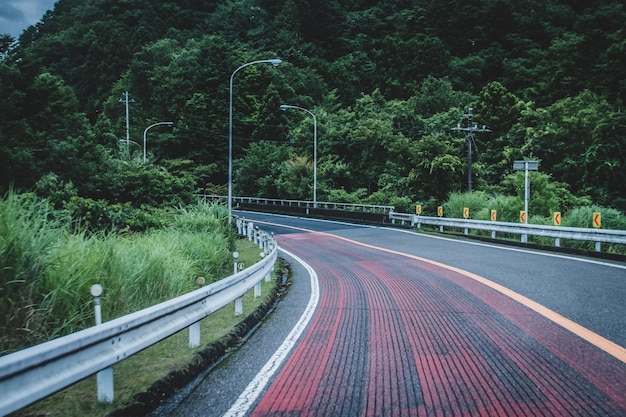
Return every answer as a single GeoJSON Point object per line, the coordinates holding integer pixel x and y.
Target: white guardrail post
{"type": "Point", "coordinates": [34, 373]}
{"type": "Point", "coordinates": [598, 236]}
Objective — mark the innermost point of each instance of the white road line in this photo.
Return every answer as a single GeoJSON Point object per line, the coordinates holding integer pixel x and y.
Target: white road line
{"type": "Point", "coordinates": [248, 397]}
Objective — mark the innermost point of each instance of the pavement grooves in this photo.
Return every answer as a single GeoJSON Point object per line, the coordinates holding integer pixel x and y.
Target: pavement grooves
{"type": "Point", "coordinates": [400, 337]}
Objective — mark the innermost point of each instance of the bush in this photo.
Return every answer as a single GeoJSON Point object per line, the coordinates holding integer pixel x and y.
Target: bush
{"type": "Point", "coordinates": [475, 201]}
{"type": "Point", "coordinates": [583, 217]}
{"type": "Point", "coordinates": [507, 209]}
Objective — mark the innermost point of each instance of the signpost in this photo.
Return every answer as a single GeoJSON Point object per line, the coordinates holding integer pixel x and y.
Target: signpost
{"type": "Point", "coordinates": [526, 166]}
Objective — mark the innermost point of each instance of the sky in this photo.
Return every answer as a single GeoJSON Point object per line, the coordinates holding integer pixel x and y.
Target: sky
{"type": "Point", "coordinates": [17, 15]}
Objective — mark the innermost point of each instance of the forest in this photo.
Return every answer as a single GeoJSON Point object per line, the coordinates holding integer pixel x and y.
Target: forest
{"type": "Point", "coordinates": [388, 83]}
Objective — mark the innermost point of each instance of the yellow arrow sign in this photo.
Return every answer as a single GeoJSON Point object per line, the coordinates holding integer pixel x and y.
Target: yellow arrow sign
{"type": "Point", "coordinates": [597, 219]}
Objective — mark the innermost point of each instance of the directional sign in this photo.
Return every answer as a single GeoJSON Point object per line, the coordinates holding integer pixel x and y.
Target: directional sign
{"type": "Point", "coordinates": [440, 211]}
{"type": "Point", "coordinates": [522, 216]}
{"type": "Point", "coordinates": [597, 219]}
{"type": "Point", "coordinates": [418, 209]}
{"type": "Point", "coordinates": [525, 165]}
{"type": "Point", "coordinates": [465, 212]}
{"type": "Point", "coordinates": [557, 218]}
{"type": "Point", "coordinates": [494, 215]}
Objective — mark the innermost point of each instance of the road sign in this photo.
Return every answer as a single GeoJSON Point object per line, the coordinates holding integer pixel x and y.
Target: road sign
{"type": "Point", "coordinates": [440, 211]}
{"type": "Point", "coordinates": [522, 216]}
{"type": "Point", "coordinates": [597, 219]}
{"type": "Point", "coordinates": [494, 215]}
{"type": "Point", "coordinates": [557, 218]}
{"type": "Point", "coordinates": [465, 212]}
{"type": "Point", "coordinates": [526, 165]}
{"type": "Point", "coordinates": [418, 209]}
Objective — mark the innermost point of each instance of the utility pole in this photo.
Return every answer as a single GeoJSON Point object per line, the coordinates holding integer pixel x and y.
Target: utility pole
{"type": "Point", "coordinates": [469, 136]}
{"type": "Point", "coordinates": [125, 100]}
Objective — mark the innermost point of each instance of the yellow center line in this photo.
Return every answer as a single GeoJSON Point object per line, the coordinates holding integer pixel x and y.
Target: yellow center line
{"type": "Point", "coordinates": [595, 339]}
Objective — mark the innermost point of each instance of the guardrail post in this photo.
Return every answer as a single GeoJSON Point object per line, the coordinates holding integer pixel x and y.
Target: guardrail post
{"type": "Point", "coordinates": [194, 335]}
{"type": "Point", "coordinates": [194, 329]}
{"type": "Point", "coordinates": [257, 289]}
{"type": "Point", "coordinates": [104, 378]}
{"type": "Point", "coordinates": [598, 246]}
{"type": "Point", "coordinates": [250, 230]}
{"type": "Point", "coordinates": [557, 241]}
{"type": "Point", "coordinates": [239, 306]}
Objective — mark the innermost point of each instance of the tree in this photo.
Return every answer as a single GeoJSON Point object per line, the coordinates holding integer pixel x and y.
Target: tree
{"type": "Point", "coordinates": [258, 171]}
{"type": "Point", "coordinates": [604, 162]}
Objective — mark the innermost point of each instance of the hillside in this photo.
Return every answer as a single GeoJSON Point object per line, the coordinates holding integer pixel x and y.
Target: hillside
{"type": "Point", "coordinates": [387, 82]}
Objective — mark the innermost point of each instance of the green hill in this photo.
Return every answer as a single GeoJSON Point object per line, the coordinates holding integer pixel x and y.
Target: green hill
{"type": "Point", "coordinates": [387, 82]}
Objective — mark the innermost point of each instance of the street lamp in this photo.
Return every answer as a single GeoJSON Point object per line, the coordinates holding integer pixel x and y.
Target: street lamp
{"type": "Point", "coordinates": [284, 107]}
{"type": "Point", "coordinates": [274, 62]}
{"type": "Point", "coordinates": [145, 132]}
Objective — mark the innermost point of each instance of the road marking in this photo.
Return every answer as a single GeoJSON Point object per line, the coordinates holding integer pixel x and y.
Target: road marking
{"type": "Point", "coordinates": [247, 398]}
{"type": "Point", "coordinates": [595, 339]}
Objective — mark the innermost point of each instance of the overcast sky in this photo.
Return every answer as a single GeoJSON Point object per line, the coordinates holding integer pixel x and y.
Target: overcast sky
{"type": "Point", "coordinates": [17, 15]}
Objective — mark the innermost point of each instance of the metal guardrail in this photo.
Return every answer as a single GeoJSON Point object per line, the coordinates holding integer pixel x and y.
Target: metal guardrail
{"type": "Point", "coordinates": [524, 230]}
{"type": "Point", "coordinates": [365, 208]}
{"type": "Point", "coordinates": [34, 373]}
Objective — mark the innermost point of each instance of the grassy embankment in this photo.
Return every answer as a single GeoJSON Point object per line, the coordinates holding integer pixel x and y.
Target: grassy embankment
{"type": "Point", "coordinates": [47, 271]}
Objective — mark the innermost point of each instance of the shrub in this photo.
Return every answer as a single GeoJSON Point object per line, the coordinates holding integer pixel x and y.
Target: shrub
{"type": "Point", "coordinates": [475, 201]}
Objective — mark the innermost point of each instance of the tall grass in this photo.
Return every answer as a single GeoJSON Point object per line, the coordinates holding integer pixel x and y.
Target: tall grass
{"type": "Point", "coordinates": [583, 217]}
{"type": "Point", "coordinates": [46, 271]}
{"type": "Point", "coordinates": [456, 202]}
{"type": "Point", "coordinates": [29, 232]}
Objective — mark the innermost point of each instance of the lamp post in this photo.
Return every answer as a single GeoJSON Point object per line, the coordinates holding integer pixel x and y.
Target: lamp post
{"type": "Point", "coordinates": [286, 107]}
{"type": "Point", "coordinates": [145, 133]}
{"type": "Point", "coordinates": [275, 62]}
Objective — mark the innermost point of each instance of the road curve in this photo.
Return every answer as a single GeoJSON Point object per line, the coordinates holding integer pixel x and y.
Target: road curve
{"type": "Point", "coordinates": [408, 326]}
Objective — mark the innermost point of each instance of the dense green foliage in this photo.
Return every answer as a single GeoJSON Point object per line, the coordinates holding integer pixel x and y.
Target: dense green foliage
{"type": "Point", "coordinates": [386, 80]}
{"type": "Point", "coordinates": [47, 270]}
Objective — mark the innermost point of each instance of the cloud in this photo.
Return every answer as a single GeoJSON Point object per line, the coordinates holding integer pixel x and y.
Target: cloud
{"type": "Point", "coordinates": [8, 11]}
{"type": "Point", "coordinates": [17, 15]}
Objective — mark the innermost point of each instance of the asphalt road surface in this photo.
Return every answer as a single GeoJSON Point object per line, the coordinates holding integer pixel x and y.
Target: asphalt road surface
{"type": "Point", "coordinates": [389, 322]}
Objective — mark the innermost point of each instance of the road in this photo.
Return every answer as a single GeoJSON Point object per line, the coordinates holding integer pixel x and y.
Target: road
{"type": "Point", "coordinates": [407, 324]}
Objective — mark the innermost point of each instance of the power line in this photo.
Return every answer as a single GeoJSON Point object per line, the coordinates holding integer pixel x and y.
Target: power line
{"type": "Point", "coordinates": [469, 136]}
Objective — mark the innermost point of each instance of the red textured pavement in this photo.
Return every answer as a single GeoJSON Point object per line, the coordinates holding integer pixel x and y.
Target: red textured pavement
{"type": "Point", "coordinates": [395, 336]}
